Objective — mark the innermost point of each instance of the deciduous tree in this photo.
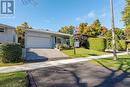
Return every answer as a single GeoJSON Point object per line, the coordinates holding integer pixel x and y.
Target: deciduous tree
{"type": "Point", "coordinates": [126, 14]}
{"type": "Point", "coordinates": [67, 29]}
{"type": "Point", "coordinates": [21, 31]}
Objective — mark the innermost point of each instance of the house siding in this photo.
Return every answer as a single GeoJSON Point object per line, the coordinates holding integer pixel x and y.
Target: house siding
{"type": "Point", "coordinates": [8, 36]}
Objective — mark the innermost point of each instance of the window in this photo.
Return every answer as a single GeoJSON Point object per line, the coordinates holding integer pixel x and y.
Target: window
{"type": "Point", "coordinates": [2, 29]}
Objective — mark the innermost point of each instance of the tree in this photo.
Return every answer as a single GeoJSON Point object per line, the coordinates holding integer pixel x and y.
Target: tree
{"type": "Point", "coordinates": [67, 29]}
{"type": "Point", "coordinates": [118, 32]}
{"type": "Point", "coordinates": [21, 32]}
{"type": "Point", "coordinates": [81, 28]}
{"type": "Point", "coordinates": [119, 36]}
{"type": "Point", "coordinates": [96, 27]}
{"type": "Point", "coordinates": [103, 30]}
{"type": "Point", "coordinates": [126, 14]}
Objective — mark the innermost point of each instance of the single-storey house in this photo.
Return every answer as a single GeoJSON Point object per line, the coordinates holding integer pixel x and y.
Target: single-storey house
{"type": "Point", "coordinates": [44, 39]}
{"type": "Point", "coordinates": [34, 38]}
{"type": "Point", "coordinates": [7, 34]}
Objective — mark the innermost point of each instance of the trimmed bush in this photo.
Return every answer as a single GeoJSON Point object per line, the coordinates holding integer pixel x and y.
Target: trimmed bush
{"type": "Point", "coordinates": [98, 44]}
{"type": "Point", "coordinates": [10, 53]}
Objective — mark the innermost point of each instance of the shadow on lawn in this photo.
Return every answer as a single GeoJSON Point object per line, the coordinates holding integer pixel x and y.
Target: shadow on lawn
{"type": "Point", "coordinates": [113, 78]}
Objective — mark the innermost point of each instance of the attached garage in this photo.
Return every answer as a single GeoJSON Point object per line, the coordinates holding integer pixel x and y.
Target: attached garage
{"type": "Point", "coordinates": [38, 40]}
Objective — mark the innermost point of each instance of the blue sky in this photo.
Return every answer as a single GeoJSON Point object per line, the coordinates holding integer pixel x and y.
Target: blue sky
{"type": "Point", "coordinates": [53, 14]}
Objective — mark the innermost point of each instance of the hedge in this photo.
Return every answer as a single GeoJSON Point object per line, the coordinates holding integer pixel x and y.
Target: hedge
{"type": "Point", "coordinates": [10, 53]}
{"type": "Point", "coordinates": [98, 44]}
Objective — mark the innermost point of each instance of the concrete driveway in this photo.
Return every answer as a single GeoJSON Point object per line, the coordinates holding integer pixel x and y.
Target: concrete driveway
{"type": "Point", "coordinates": [45, 54]}
{"type": "Point", "coordinates": [79, 75]}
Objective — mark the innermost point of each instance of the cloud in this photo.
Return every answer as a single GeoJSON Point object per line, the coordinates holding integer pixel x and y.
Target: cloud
{"type": "Point", "coordinates": [92, 14]}
{"type": "Point", "coordinates": [78, 19]}
{"type": "Point", "coordinates": [103, 15]}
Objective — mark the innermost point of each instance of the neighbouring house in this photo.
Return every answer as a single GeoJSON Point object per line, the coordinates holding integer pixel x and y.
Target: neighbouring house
{"type": "Point", "coordinates": [44, 39]}
{"type": "Point", "coordinates": [7, 34]}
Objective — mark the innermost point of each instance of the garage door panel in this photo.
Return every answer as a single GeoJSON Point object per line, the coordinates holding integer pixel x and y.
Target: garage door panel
{"type": "Point", "coordinates": [38, 42]}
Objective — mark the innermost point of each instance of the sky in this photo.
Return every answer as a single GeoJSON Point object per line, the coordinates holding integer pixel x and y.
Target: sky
{"type": "Point", "coordinates": [53, 14]}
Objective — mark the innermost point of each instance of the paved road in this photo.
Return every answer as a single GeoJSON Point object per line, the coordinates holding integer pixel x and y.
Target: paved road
{"type": "Point", "coordinates": [79, 75]}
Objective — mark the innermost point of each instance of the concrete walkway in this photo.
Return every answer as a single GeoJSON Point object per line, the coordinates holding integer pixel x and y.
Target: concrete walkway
{"type": "Point", "coordinates": [33, 66]}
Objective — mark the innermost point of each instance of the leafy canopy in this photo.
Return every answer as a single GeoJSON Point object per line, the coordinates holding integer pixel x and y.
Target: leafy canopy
{"type": "Point", "coordinates": [126, 14]}
{"type": "Point", "coordinates": [67, 29]}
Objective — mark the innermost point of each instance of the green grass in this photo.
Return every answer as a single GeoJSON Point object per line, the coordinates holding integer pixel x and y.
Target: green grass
{"type": "Point", "coordinates": [82, 52]}
{"type": "Point", "coordinates": [10, 64]}
{"type": "Point", "coordinates": [123, 63]}
{"type": "Point", "coordinates": [15, 79]}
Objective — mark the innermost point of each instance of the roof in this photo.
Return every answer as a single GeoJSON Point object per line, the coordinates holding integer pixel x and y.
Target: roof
{"type": "Point", "coordinates": [38, 30]}
{"type": "Point", "coordinates": [8, 26]}
{"type": "Point", "coordinates": [48, 32]}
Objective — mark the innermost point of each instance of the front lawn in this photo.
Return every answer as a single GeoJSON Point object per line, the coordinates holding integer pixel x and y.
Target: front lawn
{"type": "Point", "coordinates": [15, 79]}
{"type": "Point", "coordinates": [123, 63]}
{"type": "Point", "coordinates": [82, 52]}
{"type": "Point", "coordinates": [10, 64]}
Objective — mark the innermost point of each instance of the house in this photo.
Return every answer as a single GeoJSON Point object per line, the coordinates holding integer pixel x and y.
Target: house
{"type": "Point", "coordinates": [44, 39]}
{"type": "Point", "coordinates": [7, 34]}
{"type": "Point", "coordinates": [34, 38]}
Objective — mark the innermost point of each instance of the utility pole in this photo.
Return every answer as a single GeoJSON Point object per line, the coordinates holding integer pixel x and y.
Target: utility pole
{"type": "Point", "coordinates": [113, 30]}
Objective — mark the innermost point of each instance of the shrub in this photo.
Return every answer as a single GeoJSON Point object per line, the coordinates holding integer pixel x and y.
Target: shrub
{"type": "Point", "coordinates": [120, 45]}
{"type": "Point", "coordinates": [98, 44]}
{"type": "Point", "coordinates": [58, 46]}
{"type": "Point", "coordinates": [10, 53]}
{"type": "Point", "coordinates": [64, 46]}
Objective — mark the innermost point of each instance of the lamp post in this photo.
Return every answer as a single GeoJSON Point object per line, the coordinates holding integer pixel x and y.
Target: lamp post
{"type": "Point", "coordinates": [113, 30]}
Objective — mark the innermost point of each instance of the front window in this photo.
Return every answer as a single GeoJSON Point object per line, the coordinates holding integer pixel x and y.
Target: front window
{"type": "Point", "coordinates": [2, 29]}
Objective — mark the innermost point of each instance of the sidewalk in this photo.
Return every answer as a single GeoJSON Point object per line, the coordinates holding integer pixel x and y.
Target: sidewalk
{"type": "Point", "coordinates": [32, 66]}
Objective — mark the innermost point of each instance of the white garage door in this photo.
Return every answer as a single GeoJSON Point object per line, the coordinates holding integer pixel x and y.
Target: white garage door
{"type": "Point", "coordinates": [38, 42]}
